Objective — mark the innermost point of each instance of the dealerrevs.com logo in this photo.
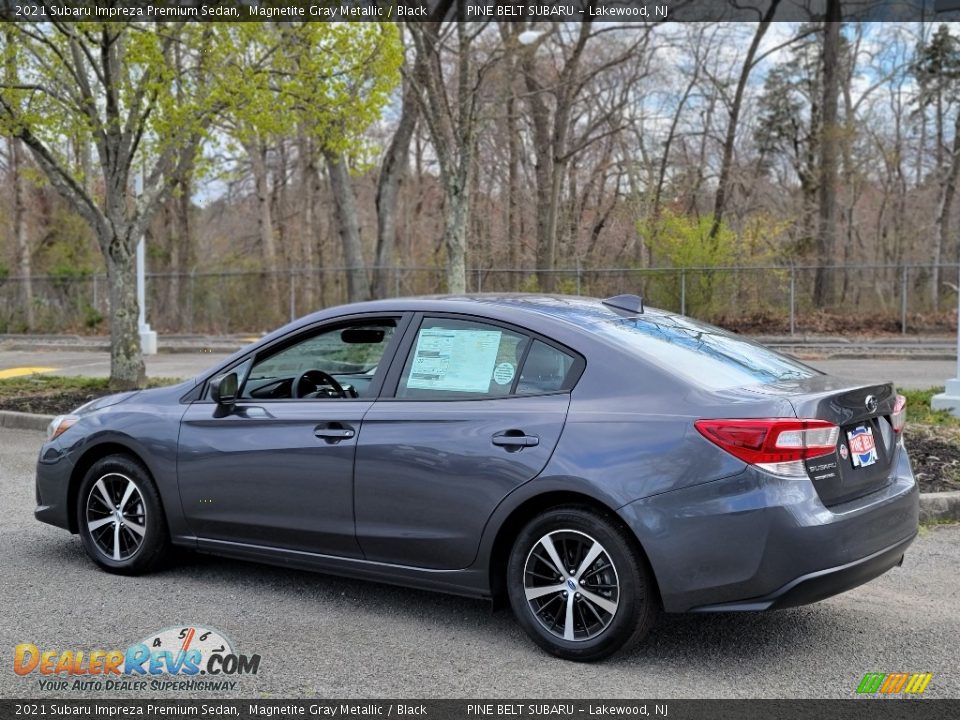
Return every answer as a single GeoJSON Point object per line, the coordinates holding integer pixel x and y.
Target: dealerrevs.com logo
{"type": "Point", "coordinates": [172, 659]}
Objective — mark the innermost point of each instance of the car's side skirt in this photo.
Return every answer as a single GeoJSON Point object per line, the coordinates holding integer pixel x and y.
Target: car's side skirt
{"type": "Point", "coordinates": [469, 582]}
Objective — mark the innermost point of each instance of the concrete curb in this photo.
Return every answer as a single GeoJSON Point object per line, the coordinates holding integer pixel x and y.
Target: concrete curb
{"type": "Point", "coordinates": [934, 507]}
{"type": "Point", "coordinates": [940, 506]}
{"type": "Point", "coordinates": [24, 421]}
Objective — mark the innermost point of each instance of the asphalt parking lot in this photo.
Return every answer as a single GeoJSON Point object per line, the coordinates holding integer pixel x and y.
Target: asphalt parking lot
{"type": "Point", "coordinates": [322, 636]}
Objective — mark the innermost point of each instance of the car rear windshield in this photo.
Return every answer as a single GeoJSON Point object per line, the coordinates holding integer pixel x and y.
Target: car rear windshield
{"type": "Point", "coordinates": [707, 355]}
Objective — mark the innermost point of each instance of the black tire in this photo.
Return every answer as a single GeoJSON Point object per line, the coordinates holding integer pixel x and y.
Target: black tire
{"type": "Point", "coordinates": [121, 550]}
{"type": "Point", "coordinates": [626, 586]}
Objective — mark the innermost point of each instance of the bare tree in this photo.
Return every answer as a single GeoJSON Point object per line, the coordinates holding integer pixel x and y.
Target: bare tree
{"type": "Point", "coordinates": [823, 288]}
{"type": "Point", "coordinates": [344, 203]}
{"type": "Point", "coordinates": [451, 116]}
{"type": "Point", "coordinates": [393, 171]}
{"type": "Point", "coordinates": [749, 62]}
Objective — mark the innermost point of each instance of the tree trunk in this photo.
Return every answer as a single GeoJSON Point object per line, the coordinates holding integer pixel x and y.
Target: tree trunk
{"type": "Point", "coordinates": [453, 133]}
{"type": "Point", "coordinates": [258, 158]}
{"type": "Point", "coordinates": [392, 174]}
{"type": "Point", "coordinates": [348, 227]}
{"type": "Point", "coordinates": [127, 370]}
{"type": "Point", "coordinates": [947, 194]}
{"type": "Point", "coordinates": [455, 237]}
{"type": "Point", "coordinates": [550, 147]}
{"type": "Point", "coordinates": [308, 239]}
{"type": "Point", "coordinates": [823, 292]}
{"type": "Point", "coordinates": [184, 231]}
{"type": "Point", "coordinates": [513, 191]}
{"type": "Point", "coordinates": [21, 240]}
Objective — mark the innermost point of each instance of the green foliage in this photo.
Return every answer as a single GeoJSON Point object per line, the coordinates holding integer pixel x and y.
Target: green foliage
{"type": "Point", "coordinates": [682, 241]}
{"type": "Point", "coordinates": [678, 240]}
{"type": "Point", "coordinates": [69, 249]}
{"type": "Point", "coordinates": [566, 286]}
{"type": "Point", "coordinates": [920, 413]}
{"type": "Point", "coordinates": [92, 317]}
{"type": "Point", "coordinates": [4, 272]}
{"type": "Point", "coordinates": [328, 80]}
{"type": "Point", "coordinates": [530, 284]}
{"type": "Point", "coordinates": [937, 67]}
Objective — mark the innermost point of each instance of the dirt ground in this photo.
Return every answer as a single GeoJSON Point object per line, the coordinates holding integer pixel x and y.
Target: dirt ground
{"type": "Point", "coordinates": [935, 455]}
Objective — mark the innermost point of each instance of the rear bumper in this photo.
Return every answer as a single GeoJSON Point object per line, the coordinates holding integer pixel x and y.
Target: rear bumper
{"type": "Point", "coordinates": [756, 542]}
{"type": "Point", "coordinates": [821, 584]}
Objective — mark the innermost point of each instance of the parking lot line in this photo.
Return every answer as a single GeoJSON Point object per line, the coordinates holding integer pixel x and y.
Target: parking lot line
{"type": "Point", "coordinates": [21, 371]}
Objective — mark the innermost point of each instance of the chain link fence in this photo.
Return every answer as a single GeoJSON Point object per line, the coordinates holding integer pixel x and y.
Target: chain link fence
{"type": "Point", "coordinates": [766, 299]}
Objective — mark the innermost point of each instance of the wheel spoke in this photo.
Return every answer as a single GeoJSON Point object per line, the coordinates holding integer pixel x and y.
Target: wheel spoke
{"type": "Point", "coordinates": [595, 551]}
{"type": "Point", "coordinates": [567, 605]}
{"type": "Point", "coordinates": [568, 624]}
{"type": "Point", "coordinates": [601, 602]}
{"type": "Point", "coordinates": [97, 524]}
{"type": "Point", "coordinates": [126, 494]}
{"type": "Point", "coordinates": [534, 592]}
{"type": "Point", "coordinates": [593, 610]}
{"type": "Point", "coordinates": [137, 528]}
{"type": "Point", "coordinates": [104, 494]}
{"type": "Point", "coordinates": [547, 543]}
{"type": "Point", "coordinates": [116, 541]}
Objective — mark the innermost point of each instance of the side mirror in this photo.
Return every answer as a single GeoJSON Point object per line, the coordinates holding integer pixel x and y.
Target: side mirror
{"type": "Point", "coordinates": [223, 389]}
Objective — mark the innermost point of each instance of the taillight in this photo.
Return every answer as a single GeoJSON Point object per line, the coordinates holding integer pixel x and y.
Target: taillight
{"type": "Point", "coordinates": [778, 445]}
{"type": "Point", "coordinates": [899, 416]}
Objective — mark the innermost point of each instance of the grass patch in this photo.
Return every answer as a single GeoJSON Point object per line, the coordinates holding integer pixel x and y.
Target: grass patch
{"type": "Point", "coordinates": [919, 412]}
{"type": "Point", "coordinates": [927, 525]}
{"type": "Point", "coordinates": [57, 394]}
{"type": "Point", "coordinates": [48, 384]}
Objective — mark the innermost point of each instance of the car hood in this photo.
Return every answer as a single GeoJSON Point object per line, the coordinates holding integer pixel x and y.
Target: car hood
{"type": "Point", "coordinates": [105, 401]}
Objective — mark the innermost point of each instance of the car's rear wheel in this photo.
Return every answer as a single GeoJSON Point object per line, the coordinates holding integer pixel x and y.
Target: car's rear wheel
{"type": "Point", "coordinates": [579, 585]}
{"type": "Point", "coordinates": [120, 517]}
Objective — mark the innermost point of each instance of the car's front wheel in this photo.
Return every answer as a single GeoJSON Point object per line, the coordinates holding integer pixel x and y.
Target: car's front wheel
{"type": "Point", "coordinates": [579, 585]}
{"type": "Point", "coordinates": [120, 517]}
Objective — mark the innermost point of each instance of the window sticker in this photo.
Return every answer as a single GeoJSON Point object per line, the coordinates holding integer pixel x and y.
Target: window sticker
{"type": "Point", "coordinates": [455, 360]}
{"type": "Point", "coordinates": [503, 374]}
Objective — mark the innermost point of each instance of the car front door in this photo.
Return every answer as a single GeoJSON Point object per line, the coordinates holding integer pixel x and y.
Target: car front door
{"type": "Point", "coordinates": [276, 468]}
{"type": "Point", "coordinates": [477, 411]}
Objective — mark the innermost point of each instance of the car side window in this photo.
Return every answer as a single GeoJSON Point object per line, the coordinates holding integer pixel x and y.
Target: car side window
{"type": "Point", "coordinates": [544, 370]}
{"type": "Point", "coordinates": [349, 355]}
{"type": "Point", "coordinates": [461, 359]}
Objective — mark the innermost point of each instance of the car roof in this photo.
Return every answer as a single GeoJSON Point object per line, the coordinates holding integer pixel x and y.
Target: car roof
{"type": "Point", "coordinates": [573, 309]}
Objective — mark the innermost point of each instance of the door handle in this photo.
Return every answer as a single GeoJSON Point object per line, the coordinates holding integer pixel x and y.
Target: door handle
{"type": "Point", "coordinates": [334, 432]}
{"type": "Point", "coordinates": [515, 440]}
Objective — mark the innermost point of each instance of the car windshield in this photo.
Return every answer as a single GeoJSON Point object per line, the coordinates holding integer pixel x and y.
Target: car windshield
{"type": "Point", "coordinates": [707, 355]}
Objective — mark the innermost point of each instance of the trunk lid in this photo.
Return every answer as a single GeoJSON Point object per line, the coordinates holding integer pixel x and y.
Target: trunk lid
{"type": "Point", "coordinates": [867, 447]}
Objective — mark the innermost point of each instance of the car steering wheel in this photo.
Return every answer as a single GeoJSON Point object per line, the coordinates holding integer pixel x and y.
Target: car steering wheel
{"type": "Point", "coordinates": [318, 379]}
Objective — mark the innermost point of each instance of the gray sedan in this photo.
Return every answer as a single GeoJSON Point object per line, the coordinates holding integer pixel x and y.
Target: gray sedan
{"type": "Point", "coordinates": [589, 462]}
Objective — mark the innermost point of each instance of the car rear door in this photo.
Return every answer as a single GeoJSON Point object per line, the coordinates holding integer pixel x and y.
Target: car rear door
{"type": "Point", "coordinates": [477, 409]}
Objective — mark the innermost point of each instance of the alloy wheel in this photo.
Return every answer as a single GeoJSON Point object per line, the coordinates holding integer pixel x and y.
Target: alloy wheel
{"type": "Point", "coordinates": [571, 585]}
{"type": "Point", "coordinates": [116, 516]}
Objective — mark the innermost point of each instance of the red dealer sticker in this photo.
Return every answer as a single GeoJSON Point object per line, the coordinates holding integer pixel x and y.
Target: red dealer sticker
{"type": "Point", "coordinates": [863, 450]}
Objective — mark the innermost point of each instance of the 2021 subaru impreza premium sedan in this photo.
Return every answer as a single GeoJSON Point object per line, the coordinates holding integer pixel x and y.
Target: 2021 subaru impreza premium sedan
{"type": "Point", "coordinates": [591, 462]}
